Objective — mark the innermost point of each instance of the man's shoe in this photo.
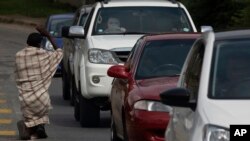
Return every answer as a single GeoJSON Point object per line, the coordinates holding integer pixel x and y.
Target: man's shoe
{"type": "Point", "coordinates": [23, 130]}
{"type": "Point", "coordinates": [40, 131]}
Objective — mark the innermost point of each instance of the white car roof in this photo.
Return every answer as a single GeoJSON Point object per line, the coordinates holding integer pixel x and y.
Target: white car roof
{"type": "Point", "coordinates": [124, 3]}
{"type": "Point", "coordinates": [232, 34]}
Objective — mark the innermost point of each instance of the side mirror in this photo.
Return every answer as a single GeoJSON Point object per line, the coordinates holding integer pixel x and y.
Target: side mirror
{"type": "Point", "coordinates": [76, 32]}
{"type": "Point", "coordinates": [65, 31]}
{"type": "Point", "coordinates": [206, 28]}
{"type": "Point", "coordinates": [178, 97]}
{"type": "Point", "coordinates": [118, 71]}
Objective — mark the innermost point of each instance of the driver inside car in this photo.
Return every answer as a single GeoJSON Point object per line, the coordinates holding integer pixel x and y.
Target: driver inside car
{"type": "Point", "coordinates": [237, 75]}
{"type": "Point", "coordinates": [113, 26]}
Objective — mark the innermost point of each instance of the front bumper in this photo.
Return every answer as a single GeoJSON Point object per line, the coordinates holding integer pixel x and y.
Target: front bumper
{"type": "Point", "coordinates": [147, 126]}
{"type": "Point", "coordinates": [96, 82]}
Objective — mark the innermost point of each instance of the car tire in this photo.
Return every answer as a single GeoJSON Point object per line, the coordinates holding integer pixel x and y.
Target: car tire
{"type": "Point", "coordinates": [65, 83]}
{"type": "Point", "coordinates": [77, 111]}
{"type": "Point", "coordinates": [76, 103]}
{"type": "Point", "coordinates": [73, 92]}
{"type": "Point", "coordinates": [125, 134]}
{"type": "Point", "coordinates": [89, 113]}
{"type": "Point", "coordinates": [114, 136]}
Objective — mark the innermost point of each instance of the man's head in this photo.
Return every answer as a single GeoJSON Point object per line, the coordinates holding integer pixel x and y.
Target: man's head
{"type": "Point", "coordinates": [34, 39]}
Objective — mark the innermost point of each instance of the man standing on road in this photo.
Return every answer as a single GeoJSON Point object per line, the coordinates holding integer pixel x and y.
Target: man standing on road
{"type": "Point", "coordinates": [35, 68]}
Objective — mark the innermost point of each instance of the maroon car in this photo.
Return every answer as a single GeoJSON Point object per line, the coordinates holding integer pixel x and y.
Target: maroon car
{"type": "Point", "coordinates": [153, 66]}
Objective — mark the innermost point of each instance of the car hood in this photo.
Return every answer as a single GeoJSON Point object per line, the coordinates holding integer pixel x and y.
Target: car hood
{"type": "Point", "coordinates": [114, 41]}
{"type": "Point", "coordinates": [151, 88]}
{"type": "Point", "coordinates": [226, 112]}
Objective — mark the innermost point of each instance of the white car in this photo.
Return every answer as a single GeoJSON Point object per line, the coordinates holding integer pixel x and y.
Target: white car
{"type": "Point", "coordinates": [213, 90]}
{"type": "Point", "coordinates": [111, 30]}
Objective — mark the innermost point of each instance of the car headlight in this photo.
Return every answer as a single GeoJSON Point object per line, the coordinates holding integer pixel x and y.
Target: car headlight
{"type": "Point", "coordinates": [100, 56]}
{"type": "Point", "coordinates": [216, 133]}
{"type": "Point", "coordinates": [152, 106]}
{"type": "Point", "coordinates": [48, 46]}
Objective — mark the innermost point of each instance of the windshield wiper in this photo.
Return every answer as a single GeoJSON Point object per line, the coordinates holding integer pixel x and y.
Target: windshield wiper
{"type": "Point", "coordinates": [173, 75]}
{"type": "Point", "coordinates": [134, 33]}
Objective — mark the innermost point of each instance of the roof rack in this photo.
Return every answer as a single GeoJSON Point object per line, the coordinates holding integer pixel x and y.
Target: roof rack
{"type": "Point", "coordinates": [106, 1]}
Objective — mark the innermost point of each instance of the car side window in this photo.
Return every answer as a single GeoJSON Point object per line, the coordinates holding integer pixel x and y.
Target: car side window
{"type": "Point", "coordinates": [89, 18]}
{"type": "Point", "coordinates": [83, 19]}
{"type": "Point", "coordinates": [76, 18]}
{"type": "Point", "coordinates": [193, 70]}
{"type": "Point", "coordinates": [131, 58]}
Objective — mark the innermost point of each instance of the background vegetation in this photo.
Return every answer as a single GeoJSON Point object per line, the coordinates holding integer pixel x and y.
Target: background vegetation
{"type": "Point", "coordinates": [221, 14]}
{"type": "Point", "coordinates": [33, 8]}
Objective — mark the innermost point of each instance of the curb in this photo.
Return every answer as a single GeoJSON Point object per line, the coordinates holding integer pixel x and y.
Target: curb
{"type": "Point", "coordinates": [22, 20]}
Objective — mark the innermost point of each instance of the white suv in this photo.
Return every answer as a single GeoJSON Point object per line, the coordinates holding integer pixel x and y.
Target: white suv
{"type": "Point", "coordinates": [111, 31]}
{"type": "Point", "coordinates": [213, 91]}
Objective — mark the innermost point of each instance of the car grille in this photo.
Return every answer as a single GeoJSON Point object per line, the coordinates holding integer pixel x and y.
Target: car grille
{"type": "Point", "coordinates": [122, 55]}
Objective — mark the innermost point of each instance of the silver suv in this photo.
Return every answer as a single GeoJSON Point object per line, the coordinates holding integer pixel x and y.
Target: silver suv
{"type": "Point", "coordinates": [80, 17]}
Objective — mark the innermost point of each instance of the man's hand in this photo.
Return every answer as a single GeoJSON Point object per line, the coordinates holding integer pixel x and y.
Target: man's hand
{"type": "Point", "coordinates": [45, 33]}
{"type": "Point", "coordinates": [42, 31]}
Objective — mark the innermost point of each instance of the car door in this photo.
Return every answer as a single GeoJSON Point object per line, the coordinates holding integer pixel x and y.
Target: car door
{"type": "Point", "coordinates": [185, 118]}
{"type": "Point", "coordinates": [120, 90]}
{"type": "Point", "coordinates": [71, 48]}
{"type": "Point", "coordinates": [80, 20]}
{"type": "Point", "coordinates": [79, 50]}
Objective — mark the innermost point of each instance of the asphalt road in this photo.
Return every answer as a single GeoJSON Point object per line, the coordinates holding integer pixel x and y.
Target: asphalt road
{"type": "Point", "coordinates": [63, 126]}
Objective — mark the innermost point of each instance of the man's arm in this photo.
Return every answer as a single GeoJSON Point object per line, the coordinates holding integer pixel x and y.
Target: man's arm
{"type": "Point", "coordinates": [45, 33]}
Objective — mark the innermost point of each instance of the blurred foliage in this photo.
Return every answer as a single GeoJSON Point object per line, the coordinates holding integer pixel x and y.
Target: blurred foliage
{"type": "Point", "coordinates": [243, 21]}
{"type": "Point", "coordinates": [220, 14]}
{"type": "Point", "coordinates": [33, 8]}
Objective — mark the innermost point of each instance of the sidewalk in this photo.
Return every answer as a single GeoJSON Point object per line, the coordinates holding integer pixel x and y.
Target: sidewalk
{"type": "Point", "coordinates": [22, 20]}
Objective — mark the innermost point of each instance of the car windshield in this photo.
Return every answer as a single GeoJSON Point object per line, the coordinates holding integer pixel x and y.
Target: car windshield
{"type": "Point", "coordinates": [57, 24]}
{"type": "Point", "coordinates": [230, 75]}
{"type": "Point", "coordinates": [141, 20]}
{"type": "Point", "coordinates": [162, 58]}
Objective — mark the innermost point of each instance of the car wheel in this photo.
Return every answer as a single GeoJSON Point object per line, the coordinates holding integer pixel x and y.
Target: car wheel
{"type": "Point", "coordinates": [89, 113]}
{"type": "Point", "coordinates": [73, 92]}
{"type": "Point", "coordinates": [125, 134]}
{"type": "Point", "coordinates": [114, 136]}
{"type": "Point", "coordinates": [76, 104]}
{"type": "Point", "coordinates": [77, 110]}
{"type": "Point", "coordinates": [65, 83]}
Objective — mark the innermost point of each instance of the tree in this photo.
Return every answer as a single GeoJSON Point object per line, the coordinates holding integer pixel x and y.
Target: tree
{"type": "Point", "coordinates": [217, 13]}
{"type": "Point", "coordinates": [243, 21]}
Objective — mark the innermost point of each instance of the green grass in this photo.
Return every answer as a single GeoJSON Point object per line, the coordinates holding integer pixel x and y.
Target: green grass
{"type": "Point", "coordinates": [33, 8]}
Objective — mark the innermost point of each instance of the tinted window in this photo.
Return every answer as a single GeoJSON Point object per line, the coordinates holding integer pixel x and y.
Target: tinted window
{"type": "Point", "coordinates": [83, 19]}
{"type": "Point", "coordinates": [88, 20]}
{"type": "Point", "coordinates": [76, 18]}
{"type": "Point", "coordinates": [231, 70]}
{"type": "Point", "coordinates": [131, 58]}
{"type": "Point", "coordinates": [193, 71]}
{"type": "Point", "coordinates": [141, 20]}
{"type": "Point", "coordinates": [163, 58]}
{"type": "Point", "coordinates": [57, 24]}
